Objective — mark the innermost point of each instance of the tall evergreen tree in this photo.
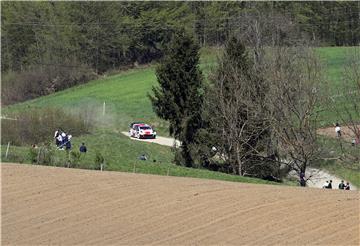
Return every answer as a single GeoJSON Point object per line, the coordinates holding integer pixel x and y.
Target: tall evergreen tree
{"type": "Point", "coordinates": [179, 98]}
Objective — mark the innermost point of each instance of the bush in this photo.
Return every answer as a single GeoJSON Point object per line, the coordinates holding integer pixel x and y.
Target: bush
{"type": "Point", "coordinates": [99, 159]}
{"type": "Point", "coordinates": [40, 81]}
{"type": "Point", "coordinates": [43, 155]}
{"type": "Point", "coordinates": [38, 125]}
{"type": "Point", "coordinates": [33, 153]}
{"type": "Point", "coordinates": [74, 158]}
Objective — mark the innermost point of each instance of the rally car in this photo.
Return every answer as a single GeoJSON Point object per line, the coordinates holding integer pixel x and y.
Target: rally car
{"type": "Point", "coordinates": [141, 130]}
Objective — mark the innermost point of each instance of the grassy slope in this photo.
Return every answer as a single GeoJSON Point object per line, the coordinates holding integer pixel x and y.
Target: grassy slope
{"type": "Point", "coordinates": [126, 101]}
{"type": "Point", "coordinates": [121, 154]}
{"type": "Point", "coordinates": [333, 60]}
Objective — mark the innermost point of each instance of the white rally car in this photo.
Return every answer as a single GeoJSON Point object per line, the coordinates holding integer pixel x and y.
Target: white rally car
{"type": "Point", "coordinates": [139, 130]}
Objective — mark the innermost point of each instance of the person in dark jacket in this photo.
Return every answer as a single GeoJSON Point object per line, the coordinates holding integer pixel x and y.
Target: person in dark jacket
{"type": "Point", "coordinates": [302, 179]}
{"type": "Point", "coordinates": [83, 148]}
{"type": "Point", "coordinates": [68, 143]}
{"type": "Point", "coordinates": [329, 185]}
{"type": "Point", "coordinates": [342, 185]}
{"type": "Point", "coordinates": [347, 186]}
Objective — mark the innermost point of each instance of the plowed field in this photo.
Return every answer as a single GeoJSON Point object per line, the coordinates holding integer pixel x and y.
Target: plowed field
{"type": "Point", "coordinates": [47, 205]}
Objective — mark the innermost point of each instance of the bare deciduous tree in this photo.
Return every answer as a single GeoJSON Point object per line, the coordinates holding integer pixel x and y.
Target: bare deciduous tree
{"type": "Point", "coordinates": [294, 74]}
{"type": "Point", "coordinates": [346, 104]}
{"type": "Point", "coordinates": [264, 109]}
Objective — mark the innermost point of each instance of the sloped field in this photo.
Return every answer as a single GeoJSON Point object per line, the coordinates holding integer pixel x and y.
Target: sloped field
{"type": "Point", "coordinates": [47, 205]}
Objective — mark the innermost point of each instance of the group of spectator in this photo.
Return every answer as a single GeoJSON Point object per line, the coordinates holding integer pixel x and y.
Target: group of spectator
{"type": "Point", "coordinates": [342, 185]}
{"type": "Point", "coordinates": [62, 139]}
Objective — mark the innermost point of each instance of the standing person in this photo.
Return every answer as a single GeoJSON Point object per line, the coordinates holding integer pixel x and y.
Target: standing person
{"type": "Point", "coordinates": [56, 134]}
{"type": "Point", "coordinates": [64, 138]}
{"type": "Point", "coordinates": [83, 148]}
{"type": "Point", "coordinates": [68, 143]}
{"type": "Point", "coordinates": [338, 130]}
{"type": "Point", "coordinates": [302, 179]}
{"type": "Point", "coordinates": [59, 140]}
{"type": "Point", "coordinates": [342, 185]}
{"type": "Point", "coordinates": [347, 186]}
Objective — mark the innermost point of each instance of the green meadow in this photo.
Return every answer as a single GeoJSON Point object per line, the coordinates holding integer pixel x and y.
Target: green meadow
{"type": "Point", "coordinates": [125, 98]}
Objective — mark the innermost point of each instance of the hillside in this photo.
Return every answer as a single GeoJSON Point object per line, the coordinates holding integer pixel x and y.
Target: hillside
{"type": "Point", "coordinates": [67, 206]}
{"type": "Point", "coordinates": [125, 96]}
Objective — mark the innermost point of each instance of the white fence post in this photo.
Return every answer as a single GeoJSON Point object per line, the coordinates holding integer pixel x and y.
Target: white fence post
{"type": "Point", "coordinates": [7, 150]}
{"type": "Point", "coordinates": [104, 109]}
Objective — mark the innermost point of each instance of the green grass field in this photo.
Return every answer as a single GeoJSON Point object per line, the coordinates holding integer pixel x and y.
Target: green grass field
{"type": "Point", "coordinates": [125, 97]}
{"type": "Point", "coordinates": [121, 154]}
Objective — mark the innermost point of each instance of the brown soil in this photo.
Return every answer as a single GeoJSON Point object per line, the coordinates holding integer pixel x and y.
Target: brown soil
{"type": "Point", "coordinates": [347, 134]}
{"type": "Point", "coordinates": [48, 205]}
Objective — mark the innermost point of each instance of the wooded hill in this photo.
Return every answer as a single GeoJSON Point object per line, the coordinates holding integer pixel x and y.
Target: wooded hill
{"type": "Point", "coordinates": [49, 46]}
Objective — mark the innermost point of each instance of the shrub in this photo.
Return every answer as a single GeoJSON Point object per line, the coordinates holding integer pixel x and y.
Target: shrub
{"type": "Point", "coordinates": [37, 125]}
{"type": "Point", "coordinates": [99, 159]}
{"type": "Point", "coordinates": [33, 153]}
{"type": "Point", "coordinates": [75, 158]}
{"type": "Point", "coordinates": [46, 155]}
{"type": "Point", "coordinates": [40, 81]}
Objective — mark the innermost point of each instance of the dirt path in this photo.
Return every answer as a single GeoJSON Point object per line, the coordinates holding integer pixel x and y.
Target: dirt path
{"type": "Point", "coordinates": [159, 140]}
{"type": "Point", "coordinates": [47, 206]}
{"type": "Point", "coordinates": [347, 133]}
{"type": "Point", "coordinates": [319, 177]}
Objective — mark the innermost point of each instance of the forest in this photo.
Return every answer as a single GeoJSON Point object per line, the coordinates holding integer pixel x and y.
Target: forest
{"type": "Point", "coordinates": [49, 46]}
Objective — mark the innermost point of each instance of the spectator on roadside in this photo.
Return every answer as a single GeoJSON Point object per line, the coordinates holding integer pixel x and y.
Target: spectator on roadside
{"type": "Point", "coordinates": [342, 185]}
{"type": "Point", "coordinates": [56, 135]}
{"type": "Point", "coordinates": [302, 179]}
{"type": "Point", "coordinates": [59, 141]}
{"type": "Point", "coordinates": [83, 148]}
{"type": "Point", "coordinates": [338, 130]}
{"type": "Point", "coordinates": [329, 185]}
{"type": "Point", "coordinates": [347, 186]}
{"type": "Point", "coordinates": [64, 138]}
{"type": "Point", "coordinates": [68, 143]}
{"type": "Point", "coordinates": [143, 157]}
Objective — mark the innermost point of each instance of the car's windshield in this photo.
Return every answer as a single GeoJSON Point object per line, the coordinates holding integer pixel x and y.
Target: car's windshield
{"type": "Point", "coordinates": [145, 128]}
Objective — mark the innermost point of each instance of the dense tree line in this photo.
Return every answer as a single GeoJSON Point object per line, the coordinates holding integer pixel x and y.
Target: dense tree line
{"type": "Point", "coordinates": [70, 42]}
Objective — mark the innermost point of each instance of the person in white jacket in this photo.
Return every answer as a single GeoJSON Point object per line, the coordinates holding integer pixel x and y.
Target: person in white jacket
{"type": "Point", "coordinates": [338, 130]}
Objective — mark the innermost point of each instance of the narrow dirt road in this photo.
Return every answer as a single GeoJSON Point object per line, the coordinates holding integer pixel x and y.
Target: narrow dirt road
{"type": "Point", "coordinates": [159, 140]}
{"type": "Point", "coordinates": [60, 206]}
{"type": "Point", "coordinates": [318, 177]}
{"type": "Point", "coordinates": [347, 133]}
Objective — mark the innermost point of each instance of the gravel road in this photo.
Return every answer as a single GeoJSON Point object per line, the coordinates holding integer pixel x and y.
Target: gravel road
{"type": "Point", "coordinates": [318, 177]}
{"type": "Point", "coordinates": [159, 140]}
